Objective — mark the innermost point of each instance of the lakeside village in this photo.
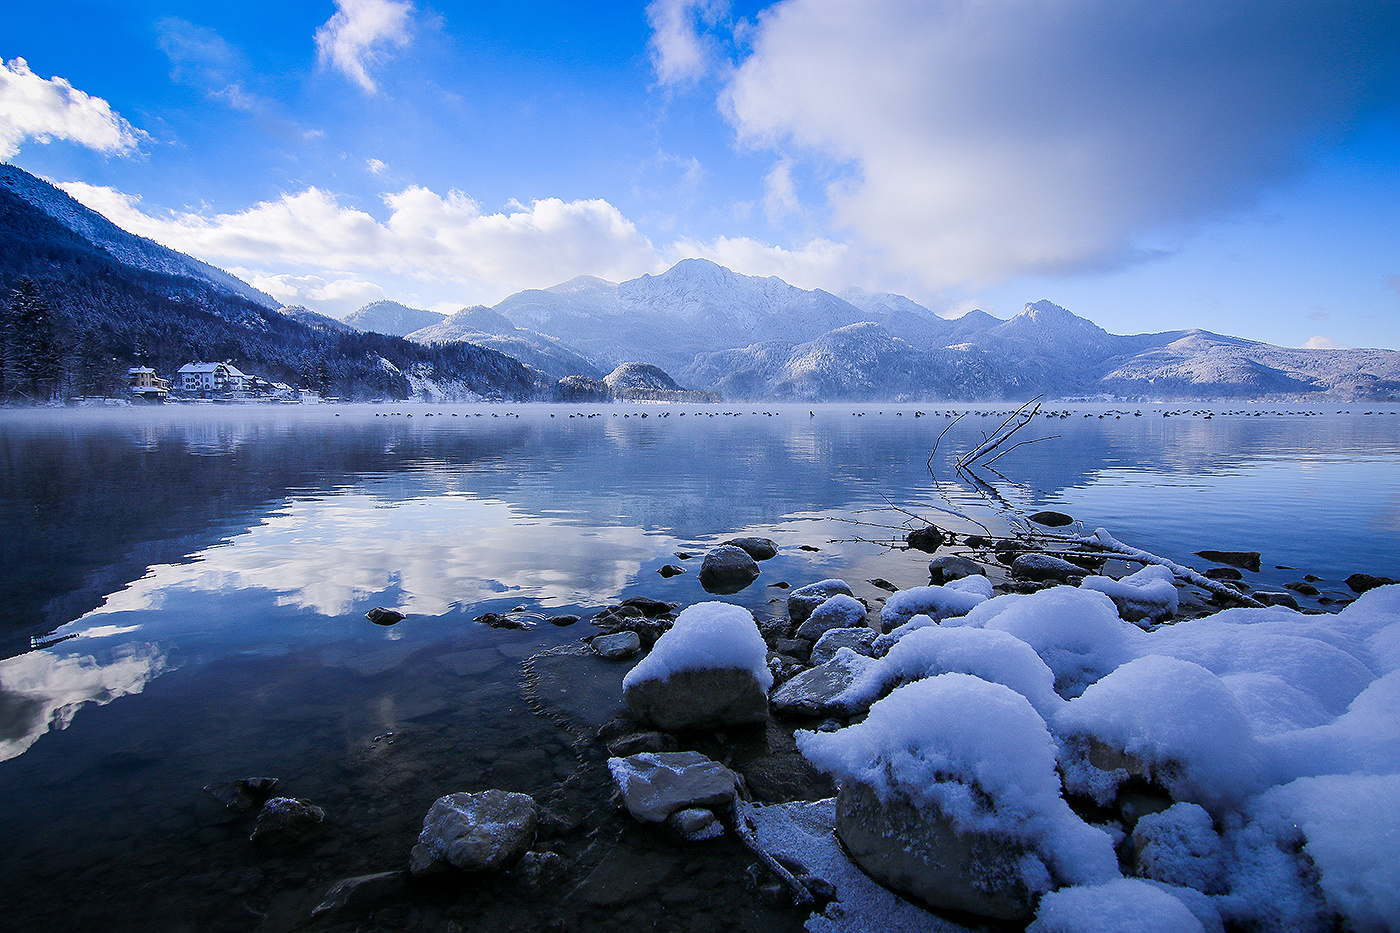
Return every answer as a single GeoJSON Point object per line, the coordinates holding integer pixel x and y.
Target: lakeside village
{"type": "Point", "coordinates": [212, 382]}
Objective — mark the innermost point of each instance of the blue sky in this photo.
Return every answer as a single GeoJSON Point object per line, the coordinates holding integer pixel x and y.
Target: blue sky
{"type": "Point", "coordinates": [1226, 164]}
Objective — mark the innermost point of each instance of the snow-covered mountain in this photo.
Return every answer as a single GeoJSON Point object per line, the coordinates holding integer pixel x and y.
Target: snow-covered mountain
{"type": "Point", "coordinates": [390, 317]}
{"type": "Point", "coordinates": [127, 248]}
{"type": "Point", "coordinates": [486, 328]}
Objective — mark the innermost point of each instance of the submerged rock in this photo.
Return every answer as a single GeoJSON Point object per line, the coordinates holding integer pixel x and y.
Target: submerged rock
{"type": "Point", "coordinates": [286, 823]}
{"type": "Point", "coordinates": [1245, 560]}
{"type": "Point", "coordinates": [727, 569]}
{"type": "Point", "coordinates": [617, 645]}
{"type": "Point", "coordinates": [244, 794]}
{"type": "Point", "coordinates": [475, 832]}
{"type": "Point", "coordinates": [671, 570]}
{"type": "Point", "coordinates": [359, 894]}
{"type": "Point", "coordinates": [1051, 519]}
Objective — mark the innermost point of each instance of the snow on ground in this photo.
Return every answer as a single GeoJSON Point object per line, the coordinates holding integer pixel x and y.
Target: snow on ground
{"type": "Point", "coordinates": [1275, 731]}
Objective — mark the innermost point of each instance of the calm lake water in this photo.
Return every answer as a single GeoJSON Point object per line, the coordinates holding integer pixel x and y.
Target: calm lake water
{"type": "Point", "coordinates": [208, 571]}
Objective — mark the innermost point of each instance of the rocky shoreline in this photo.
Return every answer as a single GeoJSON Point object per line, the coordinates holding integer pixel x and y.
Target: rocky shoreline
{"type": "Point", "coordinates": [680, 812]}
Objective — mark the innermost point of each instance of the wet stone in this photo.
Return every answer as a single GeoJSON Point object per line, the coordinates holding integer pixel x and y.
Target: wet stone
{"type": "Point", "coordinates": [757, 548]}
{"type": "Point", "coordinates": [1362, 582]}
{"type": "Point", "coordinates": [382, 616]}
{"type": "Point", "coordinates": [927, 539]}
{"type": "Point", "coordinates": [244, 794]}
{"type": "Point", "coordinates": [360, 894]}
{"type": "Point", "coordinates": [1051, 519]}
{"type": "Point", "coordinates": [617, 646]}
{"type": "Point", "coordinates": [671, 570]}
{"type": "Point", "coordinates": [1245, 560]}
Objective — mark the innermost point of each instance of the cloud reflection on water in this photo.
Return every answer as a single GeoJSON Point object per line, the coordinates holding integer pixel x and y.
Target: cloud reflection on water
{"type": "Point", "coordinates": [41, 691]}
{"type": "Point", "coordinates": [440, 553]}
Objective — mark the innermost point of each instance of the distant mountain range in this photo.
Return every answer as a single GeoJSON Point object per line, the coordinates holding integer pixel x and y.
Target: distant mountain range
{"type": "Point", "coordinates": [708, 328]}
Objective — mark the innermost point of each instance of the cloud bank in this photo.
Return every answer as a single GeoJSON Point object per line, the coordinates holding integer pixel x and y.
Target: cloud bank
{"type": "Point", "coordinates": [425, 237]}
{"type": "Point", "coordinates": [33, 109]}
{"type": "Point", "coordinates": [976, 141]}
{"type": "Point", "coordinates": [359, 35]}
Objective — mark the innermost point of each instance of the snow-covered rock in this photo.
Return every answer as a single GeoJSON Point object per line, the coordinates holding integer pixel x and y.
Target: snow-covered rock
{"type": "Point", "coordinates": [1150, 595]}
{"type": "Point", "coordinates": [708, 671]}
{"type": "Point", "coordinates": [656, 785]}
{"type": "Point", "coordinates": [936, 602]}
{"type": "Point", "coordinates": [840, 611]}
{"type": "Point", "coordinates": [949, 792]}
{"type": "Point", "coordinates": [804, 599]}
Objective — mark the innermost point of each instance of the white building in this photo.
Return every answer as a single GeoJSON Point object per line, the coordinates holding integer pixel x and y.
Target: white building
{"type": "Point", "coordinates": [211, 377]}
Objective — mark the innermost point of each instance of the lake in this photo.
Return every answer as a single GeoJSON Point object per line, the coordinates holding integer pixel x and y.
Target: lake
{"type": "Point", "coordinates": [186, 589]}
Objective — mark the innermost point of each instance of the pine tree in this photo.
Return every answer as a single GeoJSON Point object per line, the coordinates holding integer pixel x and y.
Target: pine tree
{"type": "Point", "coordinates": [29, 346]}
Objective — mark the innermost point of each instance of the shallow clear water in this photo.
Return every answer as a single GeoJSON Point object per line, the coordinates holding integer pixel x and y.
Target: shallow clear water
{"type": "Point", "coordinates": [208, 571]}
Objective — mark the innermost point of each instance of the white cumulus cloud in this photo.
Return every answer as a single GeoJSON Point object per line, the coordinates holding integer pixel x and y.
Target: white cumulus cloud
{"type": "Point", "coordinates": [358, 36]}
{"type": "Point", "coordinates": [426, 237]}
{"type": "Point", "coordinates": [975, 141]}
{"type": "Point", "coordinates": [39, 110]}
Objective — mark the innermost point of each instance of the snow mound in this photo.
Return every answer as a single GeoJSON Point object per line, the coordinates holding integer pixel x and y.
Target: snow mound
{"type": "Point", "coordinates": [1351, 824]}
{"type": "Point", "coordinates": [1076, 632]}
{"type": "Point", "coordinates": [1172, 717]}
{"type": "Point", "coordinates": [936, 602]}
{"type": "Point", "coordinates": [992, 655]}
{"type": "Point", "coordinates": [705, 636]}
{"type": "Point", "coordinates": [1363, 740]}
{"type": "Point", "coordinates": [1127, 905]}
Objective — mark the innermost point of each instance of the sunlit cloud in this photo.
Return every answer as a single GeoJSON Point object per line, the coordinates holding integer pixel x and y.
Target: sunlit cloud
{"type": "Point", "coordinates": [425, 236]}
{"type": "Point", "coordinates": [359, 36]}
{"type": "Point", "coordinates": [1321, 342]}
{"type": "Point", "coordinates": [33, 109]}
{"type": "Point", "coordinates": [976, 141]}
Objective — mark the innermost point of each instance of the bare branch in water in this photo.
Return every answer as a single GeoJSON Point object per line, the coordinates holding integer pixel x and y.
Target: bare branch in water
{"type": "Point", "coordinates": [1052, 437]}
{"type": "Point", "coordinates": [1001, 435]}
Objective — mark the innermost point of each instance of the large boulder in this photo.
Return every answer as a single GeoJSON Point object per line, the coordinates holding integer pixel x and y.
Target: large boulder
{"type": "Point", "coordinates": [727, 569]}
{"type": "Point", "coordinates": [709, 671]}
{"type": "Point", "coordinates": [476, 832]}
{"type": "Point", "coordinates": [949, 794]}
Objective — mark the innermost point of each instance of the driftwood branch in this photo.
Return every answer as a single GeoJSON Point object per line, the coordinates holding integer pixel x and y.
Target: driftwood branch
{"type": "Point", "coordinates": [1103, 539]}
{"type": "Point", "coordinates": [1002, 434]}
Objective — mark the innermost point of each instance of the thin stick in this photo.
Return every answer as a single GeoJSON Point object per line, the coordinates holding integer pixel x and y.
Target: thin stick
{"type": "Point", "coordinates": [1052, 437]}
{"type": "Point", "coordinates": [1001, 436]}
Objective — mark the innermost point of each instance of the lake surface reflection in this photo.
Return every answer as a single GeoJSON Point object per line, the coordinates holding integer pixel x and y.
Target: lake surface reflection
{"type": "Point", "coordinates": [208, 571]}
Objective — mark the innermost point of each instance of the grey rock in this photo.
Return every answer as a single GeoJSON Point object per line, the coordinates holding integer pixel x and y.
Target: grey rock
{"type": "Point", "coordinates": [921, 852]}
{"type": "Point", "coordinates": [1045, 568]}
{"type": "Point", "coordinates": [286, 823]}
{"type": "Point", "coordinates": [656, 785]}
{"type": "Point", "coordinates": [563, 620]}
{"type": "Point", "coordinates": [860, 639]}
{"type": "Point", "coordinates": [840, 611]}
{"type": "Point", "coordinates": [360, 894]}
{"type": "Point", "coordinates": [617, 645]}
{"type": "Point", "coordinates": [651, 608]}
{"type": "Point", "coordinates": [817, 692]}
{"type": "Point", "coordinates": [710, 698]}
{"type": "Point", "coordinates": [799, 648]}
{"type": "Point", "coordinates": [757, 548]}
{"type": "Point", "coordinates": [804, 599]}
{"type": "Point", "coordinates": [727, 569]}
{"type": "Point", "coordinates": [638, 742]}
{"type": "Point", "coordinates": [1051, 519]}
{"type": "Point", "coordinates": [476, 832]}
{"type": "Point", "coordinates": [951, 567]}
{"type": "Point", "coordinates": [1276, 599]}
{"type": "Point", "coordinates": [671, 570]}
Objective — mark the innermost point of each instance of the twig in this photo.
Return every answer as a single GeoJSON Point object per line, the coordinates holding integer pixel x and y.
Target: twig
{"type": "Point", "coordinates": [997, 437]}
{"type": "Point", "coordinates": [1052, 437]}
{"type": "Point", "coordinates": [934, 452]}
